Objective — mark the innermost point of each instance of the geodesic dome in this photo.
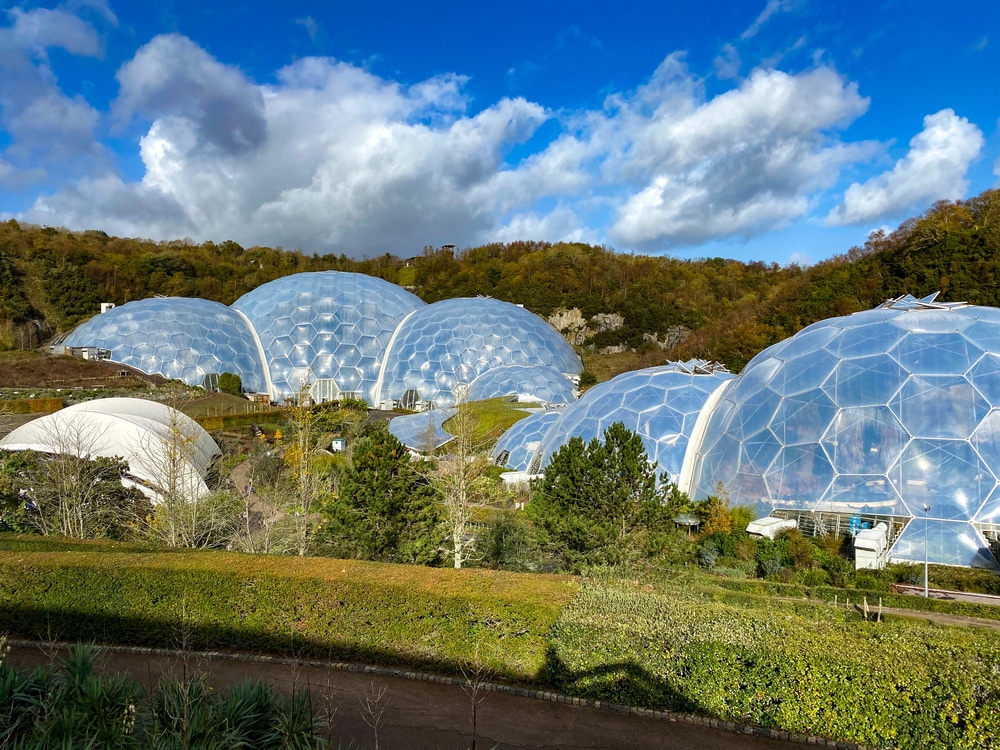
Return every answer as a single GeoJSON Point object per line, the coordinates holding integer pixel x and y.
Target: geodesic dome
{"type": "Point", "coordinates": [660, 404]}
{"type": "Point", "coordinates": [455, 341]}
{"type": "Point", "coordinates": [526, 382]}
{"type": "Point", "coordinates": [519, 443]}
{"type": "Point", "coordinates": [176, 337]}
{"type": "Point", "coordinates": [886, 412]}
{"type": "Point", "coordinates": [326, 324]}
{"type": "Point", "coordinates": [423, 432]}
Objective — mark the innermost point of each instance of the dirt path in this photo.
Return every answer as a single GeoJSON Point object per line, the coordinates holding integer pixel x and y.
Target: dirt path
{"type": "Point", "coordinates": [421, 711]}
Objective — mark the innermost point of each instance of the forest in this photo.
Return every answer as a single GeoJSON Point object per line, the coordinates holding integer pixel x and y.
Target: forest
{"type": "Point", "coordinates": [52, 279]}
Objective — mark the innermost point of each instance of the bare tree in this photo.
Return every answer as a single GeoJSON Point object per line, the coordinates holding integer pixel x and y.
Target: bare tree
{"type": "Point", "coordinates": [76, 491]}
{"type": "Point", "coordinates": [461, 477]}
{"type": "Point", "coordinates": [308, 485]}
{"type": "Point", "coordinates": [186, 514]}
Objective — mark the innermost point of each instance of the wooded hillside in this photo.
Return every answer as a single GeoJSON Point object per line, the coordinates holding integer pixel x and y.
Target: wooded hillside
{"type": "Point", "coordinates": [52, 279]}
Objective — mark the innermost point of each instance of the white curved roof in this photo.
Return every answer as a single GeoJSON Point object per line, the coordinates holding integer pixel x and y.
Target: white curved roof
{"type": "Point", "coordinates": [137, 430]}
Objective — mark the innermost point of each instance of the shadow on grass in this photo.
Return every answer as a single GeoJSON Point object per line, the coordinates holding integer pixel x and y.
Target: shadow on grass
{"type": "Point", "coordinates": [626, 683]}
{"type": "Point", "coordinates": [50, 625]}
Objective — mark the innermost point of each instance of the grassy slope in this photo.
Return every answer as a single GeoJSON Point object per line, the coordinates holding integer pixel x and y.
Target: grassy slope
{"type": "Point", "coordinates": [740, 650]}
{"type": "Point", "coordinates": [431, 618]}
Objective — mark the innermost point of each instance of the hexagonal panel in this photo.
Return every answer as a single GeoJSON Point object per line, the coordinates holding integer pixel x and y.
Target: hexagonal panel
{"type": "Point", "coordinates": [939, 406]}
{"type": "Point", "coordinates": [176, 337]}
{"type": "Point", "coordinates": [946, 475]}
{"type": "Point", "coordinates": [799, 476]}
{"type": "Point", "coordinates": [865, 381]}
{"type": "Point", "coordinates": [462, 339]}
{"type": "Point", "coordinates": [864, 440]}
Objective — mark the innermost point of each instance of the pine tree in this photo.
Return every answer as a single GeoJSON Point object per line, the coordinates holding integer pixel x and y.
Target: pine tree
{"type": "Point", "coordinates": [598, 502]}
{"type": "Point", "coordinates": [385, 509]}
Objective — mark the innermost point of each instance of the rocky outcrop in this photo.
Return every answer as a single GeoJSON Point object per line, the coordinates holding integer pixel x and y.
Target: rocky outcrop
{"type": "Point", "coordinates": [577, 329]}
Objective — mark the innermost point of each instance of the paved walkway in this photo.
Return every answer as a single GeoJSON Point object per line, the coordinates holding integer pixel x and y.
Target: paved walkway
{"type": "Point", "coordinates": [423, 711]}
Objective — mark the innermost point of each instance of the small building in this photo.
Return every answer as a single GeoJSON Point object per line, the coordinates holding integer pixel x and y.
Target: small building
{"type": "Point", "coordinates": [871, 547]}
{"type": "Point", "coordinates": [338, 445]}
{"type": "Point", "coordinates": [770, 526]}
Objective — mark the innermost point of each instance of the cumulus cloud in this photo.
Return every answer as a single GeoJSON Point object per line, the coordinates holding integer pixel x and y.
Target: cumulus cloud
{"type": "Point", "coordinates": [933, 169]}
{"type": "Point", "coordinates": [330, 157]}
{"type": "Point", "coordinates": [741, 163]}
{"type": "Point", "coordinates": [46, 127]}
{"type": "Point", "coordinates": [561, 224]}
{"type": "Point", "coordinates": [351, 162]}
{"type": "Point", "coordinates": [171, 76]}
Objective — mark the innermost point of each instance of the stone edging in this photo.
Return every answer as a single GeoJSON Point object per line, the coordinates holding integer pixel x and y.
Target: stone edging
{"type": "Point", "coordinates": [493, 687]}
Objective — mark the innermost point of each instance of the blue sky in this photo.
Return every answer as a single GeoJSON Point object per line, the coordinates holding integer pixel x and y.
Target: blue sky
{"type": "Point", "coordinates": [777, 130]}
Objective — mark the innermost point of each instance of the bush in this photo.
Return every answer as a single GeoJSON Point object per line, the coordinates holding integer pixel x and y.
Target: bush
{"type": "Point", "coordinates": [337, 609]}
{"type": "Point", "coordinates": [231, 383]}
{"type": "Point", "coordinates": [787, 665]}
{"type": "Point", "coordinates": [708, 554]}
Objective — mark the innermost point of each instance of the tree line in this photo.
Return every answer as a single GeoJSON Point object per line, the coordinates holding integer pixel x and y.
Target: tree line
{"type": "Point", "coordinates": [732, 309]}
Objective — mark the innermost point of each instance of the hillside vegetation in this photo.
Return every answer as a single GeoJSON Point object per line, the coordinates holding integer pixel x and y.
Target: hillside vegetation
{"type": "Point", "coordinates": [732, 310]}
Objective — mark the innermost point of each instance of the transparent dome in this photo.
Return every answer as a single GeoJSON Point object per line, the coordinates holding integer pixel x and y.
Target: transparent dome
{"type": "Point", "coordinates": [516, 447]}
{"type": "Point", "coordinates": [661, 404]}
{"type": "Point", "coordinates": [883, 412]}
{"type": "Point", "coordinates": [455, 341]}
{"type": "Point", "coordinates": [529, 383]}
{"type": "Point", "coordinates": [326, 325]}
{"type": "Point", "coordinates": [176, 337]}
{"type": "Point", "coordinates": [424, 432]}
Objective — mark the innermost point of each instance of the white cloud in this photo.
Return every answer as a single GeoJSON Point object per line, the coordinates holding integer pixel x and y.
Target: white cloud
{"type": "Point", "coordinates": [349, 162]}
{"type": "Point", "coordinates": [727, 62]}
{"type": "Point", "coordinates": [559, 225]}
{"type": "Point", "coordinates": [933, 169]}
{"type": "Point", "coordinates": [772, 8]}
{"type": "Point", "coordinates": [40, 29]}
{"type": "Point", "coordinates": [171, 76]}
{"type": "Point", "coordinates": [47, 129]}
{"type": "Point", "coordinates": [739, 164]}
{"type": "Point", "coordinates": [309, 24]}
{"type": "Point", "coordinates": [330, 157]}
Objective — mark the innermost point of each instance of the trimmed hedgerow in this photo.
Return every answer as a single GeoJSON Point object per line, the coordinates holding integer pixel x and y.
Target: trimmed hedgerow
{"type": "Point", "coordinates": [857, 595]}
{"type": "Point", "coordinates": [350, 610]}
{"type": "Point", "coordinates": [796, 666]}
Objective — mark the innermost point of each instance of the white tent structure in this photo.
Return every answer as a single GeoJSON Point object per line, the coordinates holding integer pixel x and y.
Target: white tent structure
{"type": "Point", "coordinates": [164, 447]}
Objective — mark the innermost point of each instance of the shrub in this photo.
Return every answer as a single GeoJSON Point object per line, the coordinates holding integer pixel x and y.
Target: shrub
{"type": "Point", "coordinates": [231, 383]}
{"type": "Point", "coordinates": [787, 665]}
{"type": "Point", "coordinates": [708, 554]}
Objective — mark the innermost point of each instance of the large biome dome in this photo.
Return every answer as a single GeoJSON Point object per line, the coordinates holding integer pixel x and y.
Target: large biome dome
{"type": "Point", "coordinates": [660, 404]}
{"type": "Point", "coordinates": [176, 337]}
{"type": "Point", "coordinates": [452, 342]}
{"type": "Point", "coordinates": [891, 413]}
{"type": "Point", "coordinates": [326, 325]}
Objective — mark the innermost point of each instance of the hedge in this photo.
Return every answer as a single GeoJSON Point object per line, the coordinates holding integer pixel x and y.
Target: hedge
{"type": "Point", "coordinates": [794, 666]}
{"type": "Point", "coordinates": [829, 593]}
{"type": "Point", "coordinates": [31, 406]}
{"type": "Point", "coordinates": [230, 421]}
{"type": "Point", "coordinates": [437, 619]}
{"type": "Point", "coordinates": [772, 654]}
